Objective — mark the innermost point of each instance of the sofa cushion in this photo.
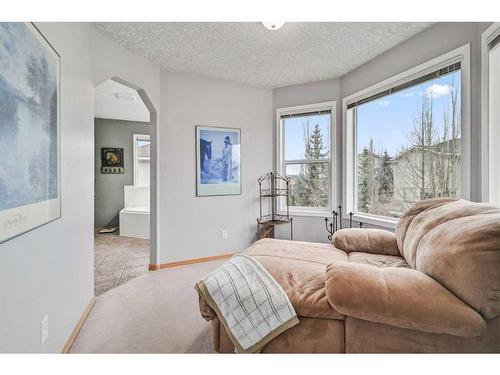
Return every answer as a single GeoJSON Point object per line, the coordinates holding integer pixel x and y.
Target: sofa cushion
{"type": "Point", "coordinates": [375, 241]}
{"type": "Point", "coordinates": [311, 252]}
{"type": "Point", "coordinates": [404, 222]}
{"type": "Point", "coordinates": [378, 260]}
{"type": "Point", "coordinates": [464, 256]}
{"type": "Point", "coordinates": [457, 243]}
{"type": "Point", "coordinates": [299, 268]}
{"type": "Point", "coordinates": [401, 297]}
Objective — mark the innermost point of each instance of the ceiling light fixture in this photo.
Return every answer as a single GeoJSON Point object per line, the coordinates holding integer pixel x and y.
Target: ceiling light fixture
{"type": "Point", "coordinates": [125, 96]}
{"type": "Point", "coordinates": [272, 25]}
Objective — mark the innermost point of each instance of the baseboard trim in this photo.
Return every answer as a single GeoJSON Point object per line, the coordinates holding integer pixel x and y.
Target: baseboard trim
{"type": "Point", "coordinates": [154, 267]}
{"type": "Point", "coordinates": [78, 326]}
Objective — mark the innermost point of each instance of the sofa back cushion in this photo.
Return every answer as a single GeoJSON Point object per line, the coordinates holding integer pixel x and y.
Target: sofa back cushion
{"type": "Point", "coordinates": [457, 243]}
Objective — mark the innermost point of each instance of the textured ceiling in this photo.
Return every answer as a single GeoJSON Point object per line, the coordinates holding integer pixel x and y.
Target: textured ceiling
{"type": "Point", "coordinates": [250, 54]}
{"type": "Point", "coordinates": [119, 102]}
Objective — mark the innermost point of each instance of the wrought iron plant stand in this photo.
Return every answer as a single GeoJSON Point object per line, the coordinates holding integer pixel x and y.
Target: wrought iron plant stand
{"type": "Point", "coordinates": [272, 186]}
{"type": "Point", "coordinates": [336, 222]}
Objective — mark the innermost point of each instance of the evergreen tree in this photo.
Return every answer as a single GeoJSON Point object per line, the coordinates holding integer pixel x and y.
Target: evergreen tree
{"type": "Point", "coordinates": [368, 179]}
{"type": "Point", "coordinates": [317, 172]}
{"type": "Point", "coordinates": [385, 178]}
{"type": "Point", "coordinates": [311, 188]}
{"type": "Point", "coordinates": [363, 196]}
{"type": "Point", "coordinates": [315, 148]}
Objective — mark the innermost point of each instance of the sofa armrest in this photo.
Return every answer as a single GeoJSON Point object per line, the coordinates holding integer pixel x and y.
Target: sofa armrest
{"type": "Point", "coordinates": [375, 241]}
{"type": "Point", "coordinates": [400, 297]}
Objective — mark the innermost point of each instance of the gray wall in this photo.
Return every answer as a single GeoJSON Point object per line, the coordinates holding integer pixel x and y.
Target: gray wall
{"type": "Point", "coordinates": [433, 42]}
{"type": "Point", "coordinates": [193, 224]}
{"type": "Point", "coordinates": [109, 187]}
{"type": "Point", "coordinates": [50, 270]}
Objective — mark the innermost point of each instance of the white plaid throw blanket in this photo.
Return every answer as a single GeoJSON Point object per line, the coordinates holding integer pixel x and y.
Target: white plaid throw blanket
{"type": "Point", "coordinates": [248, 301]}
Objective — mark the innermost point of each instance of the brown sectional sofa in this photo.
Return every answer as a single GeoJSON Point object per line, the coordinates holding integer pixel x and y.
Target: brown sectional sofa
{"type": "Point", "coordinates": [433, 286]}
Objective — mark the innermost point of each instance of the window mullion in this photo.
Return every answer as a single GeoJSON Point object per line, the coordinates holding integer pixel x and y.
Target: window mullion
{"type": "Point", "coordinates": [306, 161]}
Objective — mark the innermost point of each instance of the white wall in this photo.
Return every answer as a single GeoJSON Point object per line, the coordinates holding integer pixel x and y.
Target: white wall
{"type": "Point", "coordinates": [191, 226]}
{"type": "Point", "coordinates": [50, 269]}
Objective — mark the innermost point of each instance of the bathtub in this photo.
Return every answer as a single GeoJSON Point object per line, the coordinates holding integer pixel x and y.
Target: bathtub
{"type": "Point", "coordinates": [134, 217]}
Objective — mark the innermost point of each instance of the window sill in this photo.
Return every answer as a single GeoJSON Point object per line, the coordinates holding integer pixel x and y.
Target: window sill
{"type": "Point", "coordinates": [379, 221]}
{"type": "Point", "coordinates": [305, 213]}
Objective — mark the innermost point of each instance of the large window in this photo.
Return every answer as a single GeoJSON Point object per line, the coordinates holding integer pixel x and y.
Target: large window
{"type": "Point", "coordinates": [142, 159]}
{"type": "Point", "coordinates": [406, 142]}
{"type": "Point", "coordinates": [304, 155]}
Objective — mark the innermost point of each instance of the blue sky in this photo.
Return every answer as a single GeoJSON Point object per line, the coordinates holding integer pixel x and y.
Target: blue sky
{"type": "Point", "coordinates": [388, 120]}
{"type": "Point", "coordinates": [294, 134]}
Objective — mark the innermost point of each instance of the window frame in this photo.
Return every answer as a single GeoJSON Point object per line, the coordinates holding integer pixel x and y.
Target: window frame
{"type": "Point", "coordinates": [280, 162]}
{"type": "Point", "coordinates": [487, 37]}
{"type": "Point", "coordinates": [349, 173]}
{"type": "Point", "coordinates": [135, 138]}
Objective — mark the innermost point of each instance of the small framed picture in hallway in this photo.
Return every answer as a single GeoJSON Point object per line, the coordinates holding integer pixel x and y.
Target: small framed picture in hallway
{"type": "Point", "coordinates": [218, 161]}
{"type": "Point", "coordinates": [112, 160]}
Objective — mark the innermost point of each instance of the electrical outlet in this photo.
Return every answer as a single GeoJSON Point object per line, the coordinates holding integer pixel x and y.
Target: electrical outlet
{"type": "Point", "coordinates": [223, 234]}
{"type": "Point", "coordinates": [44, 329]}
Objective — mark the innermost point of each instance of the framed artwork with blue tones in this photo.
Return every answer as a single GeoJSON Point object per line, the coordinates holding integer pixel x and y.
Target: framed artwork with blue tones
{"type": "Point", "coordinates": [218, 161]}
{"type": "Point", "coordinates": [30, 192]}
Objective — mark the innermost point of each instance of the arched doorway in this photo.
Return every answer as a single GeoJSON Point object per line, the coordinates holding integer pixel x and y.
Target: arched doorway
{"type": "Point", "coordinates": [125, 183]}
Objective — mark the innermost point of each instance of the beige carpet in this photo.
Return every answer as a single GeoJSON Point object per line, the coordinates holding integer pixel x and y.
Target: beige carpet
{"type": "Point", "coordinates": [117, 260]}
{"type": "Point", "coordinates": [155, 313]}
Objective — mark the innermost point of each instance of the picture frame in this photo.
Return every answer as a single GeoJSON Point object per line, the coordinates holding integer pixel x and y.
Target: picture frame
{"type": "Point", "coordinates": [112, 160]}
{"type": "Point", "coordinates": [218, 161]}
{"type": "Point", "coordinates": [30, 172]}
